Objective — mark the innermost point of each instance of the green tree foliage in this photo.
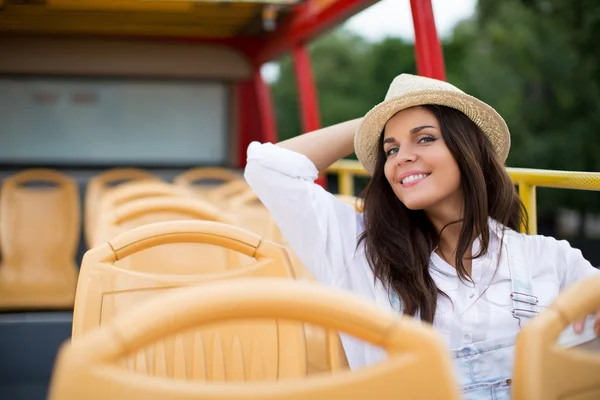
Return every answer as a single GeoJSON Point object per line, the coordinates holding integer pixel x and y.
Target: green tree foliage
{"type": "Point", "coordinates": [534, 61]}
{"type": "Point", "coordinates": [351, 75]}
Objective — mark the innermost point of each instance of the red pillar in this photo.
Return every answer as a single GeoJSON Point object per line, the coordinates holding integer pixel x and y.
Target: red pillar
{"type": "Point", "coordinates": [308, 100]}
{"type": "Point", "coordinates": [265, 109]}
{"type": "Point", "coordinates": [255, 118]}
{"type": "Point", "coordinates": [307, 93]}
{"type": "Point", "coordinates": [246, 121]}
{"type": "Point", "coordinates": [428, 49]}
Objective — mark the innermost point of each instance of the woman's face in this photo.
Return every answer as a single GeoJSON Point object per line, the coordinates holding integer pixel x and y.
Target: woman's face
{"type": "Point", "coordinates": [419, 166]}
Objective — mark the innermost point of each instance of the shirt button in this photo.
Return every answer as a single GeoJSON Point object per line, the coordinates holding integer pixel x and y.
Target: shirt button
{"type": "Point", "coordinates": [467, 336]}
{"type": "Point", "coordinates": [471, 295]}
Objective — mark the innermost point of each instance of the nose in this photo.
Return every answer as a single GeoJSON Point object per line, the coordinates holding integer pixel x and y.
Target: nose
{"type": "Point", "coordinates": [405, 156]}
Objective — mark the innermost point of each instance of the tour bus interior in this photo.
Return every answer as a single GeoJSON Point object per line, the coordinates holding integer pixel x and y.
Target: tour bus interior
{"type": "Point", "coordinates": [124, 126]}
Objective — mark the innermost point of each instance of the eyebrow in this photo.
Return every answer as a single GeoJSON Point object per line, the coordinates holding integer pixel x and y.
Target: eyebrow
{"type": "Point", "coordinates": [420, 128]}
{"type": "Point", "coordinates": [412, 131]}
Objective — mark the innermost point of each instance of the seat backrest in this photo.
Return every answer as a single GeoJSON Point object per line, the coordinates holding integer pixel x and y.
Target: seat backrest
{"type": "Point", "coordinates": [418, 364]}
{"type": "Point", "coordinates": [183, 258]}
{"type": "Point", "coordinates": [40, 226]}
{"type": "Point", "coordinates": [99, 184]}
{"type": "Point", "coordinates": [107, 287]}
{"type": "Point", "coordinates": [209, 176]}
{"type": "Point", "coordinates": [223, 194]}
{"type": "Point", "coordinates": [547, 370]}
{"type": "Point", "coordinates": [133, 191]}
{"type": "Point", "coordinates": [251, 214]}
{"type": "Point", "coordinates": [139, 190]}
{"type": "Point", "coordinates": [106, 290]}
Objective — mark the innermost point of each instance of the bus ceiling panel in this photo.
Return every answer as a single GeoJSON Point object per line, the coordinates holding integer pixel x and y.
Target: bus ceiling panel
{"type": "Point", "coordinates": [198, 10]}
{"type": "Point", "coordinates": [83, 28]}
{"type": "Point", "coordinates": [132, 17]}
{"type": "Point", "coordinates": [162, 5]}
{"type": "Point", "coordinates": [166, 20]}
{"type": "Point", "coordinates": [128, 5]}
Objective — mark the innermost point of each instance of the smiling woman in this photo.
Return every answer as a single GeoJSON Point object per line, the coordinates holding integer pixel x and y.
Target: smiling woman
{"type": "Point", "coordinates": [438, 237]}
{"type": "Point", "coordinates": [432, 162]}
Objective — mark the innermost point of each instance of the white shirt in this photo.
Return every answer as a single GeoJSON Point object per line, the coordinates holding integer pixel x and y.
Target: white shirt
{"type": "Point", "coordinates": [323, 232]}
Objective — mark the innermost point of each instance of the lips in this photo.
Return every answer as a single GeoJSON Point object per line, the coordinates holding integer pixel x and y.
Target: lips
{"type": "Point", "coordinates": [413, 179]}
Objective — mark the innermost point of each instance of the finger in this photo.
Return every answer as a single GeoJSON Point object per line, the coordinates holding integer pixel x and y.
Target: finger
{"type": "Point", "coordinates": [579, 325]}
{"type": "Point", "coordinates": [597, 324]}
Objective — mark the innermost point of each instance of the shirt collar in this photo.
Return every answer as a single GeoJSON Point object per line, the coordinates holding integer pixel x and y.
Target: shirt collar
{"type": "Point", "coordinates": [496, 230]}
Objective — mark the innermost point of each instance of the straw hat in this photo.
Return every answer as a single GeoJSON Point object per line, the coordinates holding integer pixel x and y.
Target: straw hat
{"type": "Point", "coordinates": [408, 91]}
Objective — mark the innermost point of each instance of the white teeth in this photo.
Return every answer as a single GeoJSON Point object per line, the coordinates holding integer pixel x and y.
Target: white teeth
{"type": "Point", "coordinates": [411, 178]}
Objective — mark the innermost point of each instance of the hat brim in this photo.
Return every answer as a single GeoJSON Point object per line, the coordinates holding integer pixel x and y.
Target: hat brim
{"type": "Point", "coordinates": [368, 133]}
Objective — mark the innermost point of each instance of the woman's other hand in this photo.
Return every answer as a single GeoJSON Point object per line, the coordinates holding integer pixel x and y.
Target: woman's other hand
{"type": "Point", "coordinates": [579, 326]}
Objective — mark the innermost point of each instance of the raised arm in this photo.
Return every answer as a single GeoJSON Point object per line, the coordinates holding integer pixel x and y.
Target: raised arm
{"type": "Point", "coordinates": [321, 229]}
{"type": "Point", "coordinates": [327, 145]}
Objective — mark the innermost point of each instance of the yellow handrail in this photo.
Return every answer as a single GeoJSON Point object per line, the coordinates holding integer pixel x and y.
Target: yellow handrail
{"type": "Point", "coordinates": [526, 179]}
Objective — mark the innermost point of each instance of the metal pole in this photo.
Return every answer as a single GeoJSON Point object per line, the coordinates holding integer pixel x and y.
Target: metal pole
{"type": "Point", "coordinates": [428, 49]}
{"type": "Point", "coordinates": [307, 93]}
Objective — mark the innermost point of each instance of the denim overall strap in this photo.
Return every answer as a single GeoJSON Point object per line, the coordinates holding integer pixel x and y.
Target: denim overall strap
{"type": "Point", "coordinates": [523, 301]}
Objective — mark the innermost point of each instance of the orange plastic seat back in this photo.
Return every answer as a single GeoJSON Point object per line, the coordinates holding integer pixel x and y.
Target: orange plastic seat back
{"type": "Point", "coordinates": [418, 364]}
{"type": "Point", "coordinates": [251, 214]}
{"type": "Point", "coordinates": [106, 289]}
{"type": "Point", "coordinates": [182, 258]}
{"type": "Point", "coordinates": [212, 177]}
{"type": "Point", "coordinates": [222, 195]}
{"type": "Point", "coordinates": [133, 191]}
{"type": "Point", "coordinates": [97, 187]}
{"type": "Point", "coordinates": [546, 370]}
{"type": "Point", "coordinates": [40, 226]}
{"type": "Point", "coordinates": [324, 347]}
{"type": "Point", "coordinates": [139, 190]}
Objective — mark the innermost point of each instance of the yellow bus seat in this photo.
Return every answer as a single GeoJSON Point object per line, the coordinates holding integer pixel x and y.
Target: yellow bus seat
{"type": "Point", "coordinates": [40, 228]}
{"type": "Point", "coordinates": [251, 214]}
{"type": "Point", "coordinates": [222, 195]}
{"type": "Point", "coordinates": [183, 258]}
{"type": "Point", "coordinates": [546, 370]}
{"type": "Point", "coordinates": [106, 290]}
{"type": "Point", "coordinates": [268, 366]}
{"type": "Point", "coordinates": [98, 185]}
{"type": "Point", "coordinates": [107, 286]}
{"type": "Point", "coordinates": [138, 190]}
{"type": "Point", "coordinates": [132, 191]}
{"type": "Point", "coordinates": [190, 179]}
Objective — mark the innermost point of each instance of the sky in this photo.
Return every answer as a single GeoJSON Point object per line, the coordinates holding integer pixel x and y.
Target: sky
{"type": "Point", "coordinates": [393, 18]}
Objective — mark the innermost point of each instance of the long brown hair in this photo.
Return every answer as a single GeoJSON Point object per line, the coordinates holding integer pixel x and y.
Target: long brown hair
{"type": "Point", "coordinates": [399, 241]}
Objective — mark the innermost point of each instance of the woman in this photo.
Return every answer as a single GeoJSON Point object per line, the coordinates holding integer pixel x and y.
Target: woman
{"type": "Point", "coordinates": [438, 237]}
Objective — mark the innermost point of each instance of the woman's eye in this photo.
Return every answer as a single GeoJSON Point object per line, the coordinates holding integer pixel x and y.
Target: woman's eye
{"type": "Point", "coordinates": [427, 139]}
{"type": "Point", "coordinates": [391, 151]}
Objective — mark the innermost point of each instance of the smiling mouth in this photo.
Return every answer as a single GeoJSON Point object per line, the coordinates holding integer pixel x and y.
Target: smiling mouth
{"type": "Point", "coordinates": [413, 180]}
